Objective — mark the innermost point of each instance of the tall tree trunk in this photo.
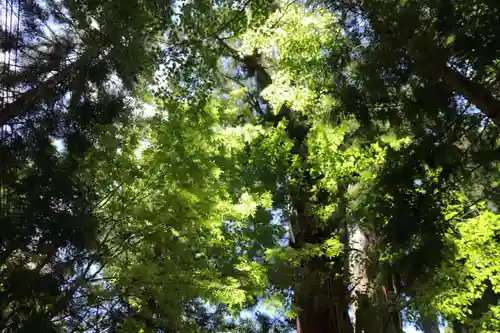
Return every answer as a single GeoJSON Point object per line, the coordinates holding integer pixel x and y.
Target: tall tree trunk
{"type": "Point", "coordinates": [373, 306]}
{"type": "Point", "coordinates": [359, 280]}
{"type": "Point", "coordinates": [321, 295]}
{"type": "Point", "coordinates": [323, 304]}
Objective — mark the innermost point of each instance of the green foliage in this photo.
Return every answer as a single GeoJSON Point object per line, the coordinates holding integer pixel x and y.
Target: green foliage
{"type": "Point", "coordinates": [465, 287]}
{"type": "Point", "coordinates": [62, 122]}
{"type": "Point", "coordinates": [181, 222]}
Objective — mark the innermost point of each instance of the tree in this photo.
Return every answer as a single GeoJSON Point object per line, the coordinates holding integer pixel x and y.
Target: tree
{"type": "Point", "coordinates": [367, 173]}
{"type": "Point", "coordinates": [283, 147]}
{"type": "Point", "coordinates": [56, 86]}
{"type": "Point", "coordinates": [286, 166]}
{"type": "Point", "coordinates": [412, 70]}
{"type": "Point", "coordinates": [444, 44]}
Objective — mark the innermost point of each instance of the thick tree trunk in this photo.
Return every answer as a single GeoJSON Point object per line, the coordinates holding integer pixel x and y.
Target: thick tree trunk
{"type": "Point", "coordinates": [361, 290]}
{"type": "Point", "coordinates": [321, 294]}
{"type": "Point", "coordinates": [323, 304]}
{"type": "Point", "coordinates": [373, 308]}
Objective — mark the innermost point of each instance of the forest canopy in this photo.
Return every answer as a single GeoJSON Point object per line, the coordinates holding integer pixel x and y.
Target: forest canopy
{"type": "Point", "coordinates": [322, 166]}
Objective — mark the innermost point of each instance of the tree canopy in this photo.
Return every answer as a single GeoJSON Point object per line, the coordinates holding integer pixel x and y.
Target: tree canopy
{"type": "Point", "coordinates": [249, 166]}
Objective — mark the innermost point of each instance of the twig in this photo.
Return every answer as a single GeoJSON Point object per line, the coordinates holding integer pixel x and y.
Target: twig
{"type": "Point", "coordinates": [226, 24]}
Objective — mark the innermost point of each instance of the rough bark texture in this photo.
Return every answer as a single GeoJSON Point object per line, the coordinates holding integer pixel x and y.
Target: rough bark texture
{"type": "Point", "coordinates": [361, 291]}
{"type": "Point", "coordinates": [373, 307]}
{"type": "Point", "coordinates": [323, 304]}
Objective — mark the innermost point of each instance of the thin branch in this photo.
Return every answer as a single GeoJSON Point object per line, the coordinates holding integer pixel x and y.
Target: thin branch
{"type": "Point", "coordinates": [493, 191]}
{"type": "Point", "coordinates": [282, 15]}
{"type": "Point", "coordinates": [226, 24]}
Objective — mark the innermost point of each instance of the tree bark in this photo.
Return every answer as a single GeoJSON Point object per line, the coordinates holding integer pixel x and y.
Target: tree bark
{"type": "Point", "coordinates": [372, 294]}
{"type": "Point", "coordinates": [323, 304]}
{"type": "Point", "coordinates": [361, 291]}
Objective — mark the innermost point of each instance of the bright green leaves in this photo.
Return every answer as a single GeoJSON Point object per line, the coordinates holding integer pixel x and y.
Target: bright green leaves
{"type": "Point", "coordinates": [253, 278]}
{"type": "Point", "coordinates": [330, 248]}
{"type": "Point", "coordinates": [338, 155]}
{"type": "Point", "coordinates": [267, 159]}
{"type": "Point", "coordinates": [259, 10]}
{"type": "Point", "coordinates": [471, 277]}
{"type": "Point", "coordinates": [200, 218]}
{"type": "Point", "coordinates": [325, 156]}
{"type": "Point", "coordinates": [297, 36]}
{"type": "Point", "coordinates": [248, 204]}
{"type": "Point", "coordinates": [217, 168]}
{"type": "Point", "coordinates": [295, 44]}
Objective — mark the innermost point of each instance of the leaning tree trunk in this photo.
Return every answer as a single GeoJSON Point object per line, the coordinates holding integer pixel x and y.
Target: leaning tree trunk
{"type": "Point", "coordinates": [57, 85]}
{"type": "Point", "coordinates": [432, 61]}
{"type": "Point", "coordinates": [429, 57]}
{"type": "Point", "coordinates": [475, 93]}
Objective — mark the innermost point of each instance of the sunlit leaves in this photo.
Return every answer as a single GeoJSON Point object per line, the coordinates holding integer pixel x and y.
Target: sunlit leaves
{"type": "Point", "coordinates": [330, 248]}
{"type": "Point", "coordinates": [200, 213]}
{"type": "Point", "coordinates": [295, 43]}
{"type": "Point", "coordinates": [475, 269]}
